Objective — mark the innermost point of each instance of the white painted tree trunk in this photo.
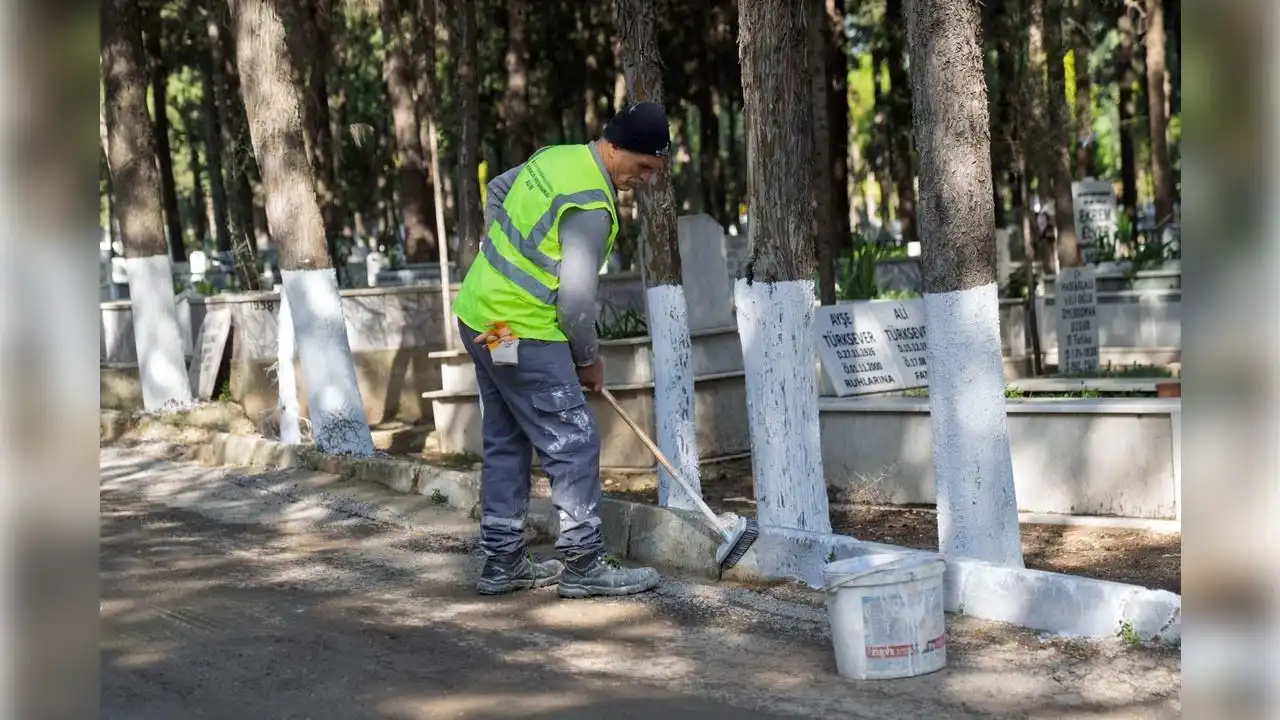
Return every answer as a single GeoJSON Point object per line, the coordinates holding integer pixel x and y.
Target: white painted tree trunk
{"type": "Point", "coordinates": [775, 322]}
{"type": "Point", "coordinates": [338, 421]}
{"type": "Point", "coordinates": [286, 381]}
{"type": "Point", "coordinates": [161, 364]}
{"type": "Point", "coordinates": [673, 392]}
{"type": "Point", "coordinates": [972, 467]}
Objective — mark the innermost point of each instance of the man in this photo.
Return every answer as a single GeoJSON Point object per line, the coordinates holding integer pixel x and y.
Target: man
{"type": "Point", "coordinates": [526, 313]}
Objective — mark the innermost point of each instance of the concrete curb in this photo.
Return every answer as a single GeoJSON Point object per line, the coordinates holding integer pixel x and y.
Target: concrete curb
{"type": "Point", "coordinates": [1040, 600]}
{"type": "Point", "coordinates": [1036, 599]}
{"type": "Point", "coordinates": [451, 488]}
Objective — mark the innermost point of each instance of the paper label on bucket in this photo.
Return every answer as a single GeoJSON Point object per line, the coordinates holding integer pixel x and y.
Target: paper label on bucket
{"type": "Point", "coordinates": [902, 629]}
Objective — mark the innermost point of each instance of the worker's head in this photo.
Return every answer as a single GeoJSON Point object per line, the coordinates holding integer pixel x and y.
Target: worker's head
{"type": "Point", "coordinates": [636, 143]}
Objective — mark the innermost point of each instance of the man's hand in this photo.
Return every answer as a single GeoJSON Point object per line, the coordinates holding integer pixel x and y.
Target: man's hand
{"type": "Point", "coordinates": [592, 376]}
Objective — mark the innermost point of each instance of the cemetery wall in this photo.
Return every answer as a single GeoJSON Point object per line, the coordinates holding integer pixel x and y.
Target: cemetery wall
{"type": "Point", "coordinates": [1073, 456]}
{"type": "Point", "coordinates": [392, 331]}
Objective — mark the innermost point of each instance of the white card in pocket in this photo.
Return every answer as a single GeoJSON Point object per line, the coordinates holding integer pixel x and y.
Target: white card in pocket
{"type": "Point", "coordinates": [507, 353]}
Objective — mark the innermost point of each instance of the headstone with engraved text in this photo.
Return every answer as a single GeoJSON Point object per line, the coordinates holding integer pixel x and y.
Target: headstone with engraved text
{"type": "Point", "coordinates": [1075, 301]}
{"type": "Point", "coordinates": [873, 346]}
{"type": "Point", "coordinates": [1095, 207]}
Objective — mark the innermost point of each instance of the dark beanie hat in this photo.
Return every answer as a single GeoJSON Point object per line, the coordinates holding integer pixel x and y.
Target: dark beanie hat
{"type": "Point", "coordinates": [640, 128]}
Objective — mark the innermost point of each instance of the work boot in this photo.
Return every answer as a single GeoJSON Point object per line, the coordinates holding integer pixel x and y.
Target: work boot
{"type": "Point", "coordinates": [517, 570]}
{"type": "Point", "coordinates": [599, 574]}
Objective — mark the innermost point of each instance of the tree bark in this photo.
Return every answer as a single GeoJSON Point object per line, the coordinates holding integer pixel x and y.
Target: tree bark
{"type": "Point", "coordinates": [411, 172]}
{"type": "Point", "coordinates": [881, 147]}
{"type": "Point", "coordinates": [779, 141]}
{"type": "Point", "coordinates": [775, 298]}
{"type": "Point", "coordinates": [977, 510]}
{"type": "Point", "coordinates": [131, 157]}
{"type": "Point", "coordinates": [428, 101]}
{"type": "Point", "coordinates": [236, 160]}
{"type": "Point", "coordinates": [213, 144]}
{"type": "Point", "coordinates": [1084, 90]}
{"type": "Point", "coordinates": [164, 154]}
{"type": "Point", "coordinates": [273, 104]}
{"type": "Point", "coordinates": [319, 18]}
{"type": "Point", "coordinates": [469, 211]}
{"type": "Point", "coordinates": [837, 69]}
{"type": "Point", "coordinates": [823, 187]}
{"type": "Point", "coordinates": [199, 210]}
{"type": "Point", "coordinates": [664, 294]}
{"type": "Point", "coordinates": [1125, 78]}
{"type": "Point", "coordinates": [903, 169]}
{"type": "Point", "coordinates": [520, 141]}
{"type": "Point", "coordinates": [1059, 137]}
{"type": "Point", "coordinates": [1161, 173]}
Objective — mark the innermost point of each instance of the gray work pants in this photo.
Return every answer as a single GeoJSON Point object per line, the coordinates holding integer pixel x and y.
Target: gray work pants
{"type": "Point", "coordinates": [535, 404]}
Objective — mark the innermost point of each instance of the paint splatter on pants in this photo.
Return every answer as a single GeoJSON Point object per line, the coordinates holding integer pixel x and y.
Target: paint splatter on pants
{"type": "Point", "coordinates": [535, 404]}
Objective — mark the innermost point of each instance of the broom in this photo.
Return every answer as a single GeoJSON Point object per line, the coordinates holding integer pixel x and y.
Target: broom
{"type": "Point", "coordinates": [737, 538]}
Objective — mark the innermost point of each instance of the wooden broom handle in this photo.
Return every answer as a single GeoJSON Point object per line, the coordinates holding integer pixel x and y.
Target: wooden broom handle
{"type": "Point", "coordinates": [675, 474]}
{"type": "Point", "coordinates": [653, 448]}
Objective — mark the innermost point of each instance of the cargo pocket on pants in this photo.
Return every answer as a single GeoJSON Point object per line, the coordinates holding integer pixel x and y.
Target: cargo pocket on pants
{"type": "Point", "coordinates": [567, 421]}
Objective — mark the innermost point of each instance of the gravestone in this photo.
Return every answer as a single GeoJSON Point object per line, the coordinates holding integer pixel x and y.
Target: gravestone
{"type": "Point", "coordinates": [708, 291]}
{"type": "Point", "coordinates": [374, 263]}
{"type": "Point", "coordinates": [1095, 207]}
{"type": "Point", "coordinates": [206, 356]}
{"type": "Point", "coordinates": [1075, 301]}
{"type": "Point", "coordinates": [873, 346]}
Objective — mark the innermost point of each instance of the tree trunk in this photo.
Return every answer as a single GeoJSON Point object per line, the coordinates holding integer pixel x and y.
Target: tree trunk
{"type": "Point", "coordinates": [320, 26]}
{"type": "Point", "coordinates": [469, 211]}
{"type": "Point", "coordinates": [1161, 174]}
{"type": "Point", "coordinates": [411, 171]}
{"type": "Point", "coordinates": [131, 157]}
{"type": "Point", "coordinates": [236, 160]}
{"type": "Point", "coordinates": [664, 289]}
{"type": "Point", "coordinates": [903, 169]}
{"type": "Point", "coordinates": [199, 210]}
{"type": "Point", "coordinates": [1037, 149]}
{"type": "Point", "coordinates": [1026, 224]}
{"type": "Point", "coordinates": [1003, 150]}
{"type": "Point", "coordinates": [213, 144]}
{"type": "Point", "coordinates": [823, 187]}
{"type": "Point", "coordinates": [710, 166]}
{"type": "Point", "coordinates": [164, 155]}
{"type": "Point", "coordinates": [1059, 138]}
{"type": "Point", "coordinates": [1125, 78]}
{"type": "Point", "coordinates": [273, 103]}
{"type": "Point", "coordinates": [1084, 91]}
{"type": "Point", "coordinates": [837, 69]}
{"type": "Point", "coordinates": [775, 298]}
{"type": "Point", "coordinates": [428, 100]}
{"type": "Point", "coordinates": [977, 511]}
{"type": "Point", "coordinates": [520, 140]}
{"type": "Point", "coordinates": [881, 148]}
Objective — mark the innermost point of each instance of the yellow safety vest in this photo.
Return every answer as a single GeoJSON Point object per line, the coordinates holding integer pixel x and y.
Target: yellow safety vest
{"type": "Point", "coordinates": [516, 276]}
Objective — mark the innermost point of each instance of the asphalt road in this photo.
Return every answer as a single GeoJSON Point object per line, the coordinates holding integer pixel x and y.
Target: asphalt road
{"type": "Point", "coordinates": [235, 596]}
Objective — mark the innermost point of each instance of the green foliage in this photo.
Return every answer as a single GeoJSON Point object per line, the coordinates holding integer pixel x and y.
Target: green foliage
{"type": "Point", "coordinates": [1132, 370]}
{"type": "Point", "coordinates": [1140, 251]}
{"type": "Point", "coordinates": [858, 279]}
{"type": "Point", "coordinates": [615, 324]}
{"type": "Point", "coordinates": [1015, 286]}
{"type": "Point", "coordinates": [897, 295]}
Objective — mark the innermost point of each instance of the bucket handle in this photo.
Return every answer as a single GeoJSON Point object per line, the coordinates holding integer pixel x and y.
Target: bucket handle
{"type": "Point", "coordinates": [844, 580]}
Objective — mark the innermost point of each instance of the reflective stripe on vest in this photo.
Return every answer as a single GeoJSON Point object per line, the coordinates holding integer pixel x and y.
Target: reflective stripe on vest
{"type": "Point", "coordinates": [529, 247]}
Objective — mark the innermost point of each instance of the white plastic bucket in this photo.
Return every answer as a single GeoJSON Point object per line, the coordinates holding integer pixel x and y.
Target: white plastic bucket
{"type": "Point", "coordinates": [886, 615]}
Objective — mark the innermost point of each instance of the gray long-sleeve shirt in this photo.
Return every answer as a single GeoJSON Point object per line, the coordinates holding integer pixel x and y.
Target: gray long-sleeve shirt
{"type": "Point", "coordinates": [582, 238]}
